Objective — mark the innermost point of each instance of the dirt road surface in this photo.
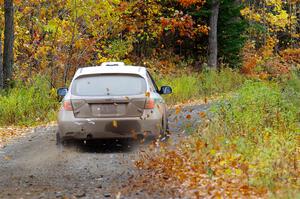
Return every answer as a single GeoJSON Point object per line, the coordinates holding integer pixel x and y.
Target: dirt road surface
{"type": "Point", "coordinates": [34, 167]}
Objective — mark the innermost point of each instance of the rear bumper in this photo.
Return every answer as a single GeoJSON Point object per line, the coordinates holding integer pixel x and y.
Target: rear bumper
{"type": "Point", "coordinates": [105, 128]}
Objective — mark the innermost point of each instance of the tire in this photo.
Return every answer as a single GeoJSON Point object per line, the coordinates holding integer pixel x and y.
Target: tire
{"type": "Point", "coordinates": [164, 132]}
{"type": "Point", "coordinates": [59, 141]}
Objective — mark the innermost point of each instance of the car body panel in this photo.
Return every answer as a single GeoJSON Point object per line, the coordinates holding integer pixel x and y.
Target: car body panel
{"type": "Point", "coordinates": [101, 117]}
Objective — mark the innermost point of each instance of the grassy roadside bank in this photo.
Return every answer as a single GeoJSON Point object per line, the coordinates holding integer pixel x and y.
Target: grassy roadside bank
{"type": "Point", "coordinates": [28, 104]}
{"type": "Point", "coordinates": [200, 85]}
{"type": "Point", "coordinates": [249, 148]}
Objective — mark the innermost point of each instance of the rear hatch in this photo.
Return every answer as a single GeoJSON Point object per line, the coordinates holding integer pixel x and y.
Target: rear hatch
{"type": "Point", "coordinates": [108, 96]}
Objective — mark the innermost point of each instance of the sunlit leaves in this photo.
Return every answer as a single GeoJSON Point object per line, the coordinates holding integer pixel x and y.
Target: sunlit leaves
{"type": "Point", "coordinates": [271, 13]}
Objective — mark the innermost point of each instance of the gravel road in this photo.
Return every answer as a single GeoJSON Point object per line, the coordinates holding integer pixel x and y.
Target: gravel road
{"type": "Point", "coordinates": [33, 167]}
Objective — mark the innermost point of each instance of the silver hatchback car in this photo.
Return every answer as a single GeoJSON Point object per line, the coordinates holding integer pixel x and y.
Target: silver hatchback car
{"type": "Point", "coordinates": [112, 101]}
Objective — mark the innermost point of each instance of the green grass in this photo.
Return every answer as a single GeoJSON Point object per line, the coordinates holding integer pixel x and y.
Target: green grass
{"type": "Point", "coordinates": [28, 103]}
{"type": "Point", "coordinates": [260, 125]}
{"type": "Point", "coordinates": [247, 146]}
{"type": "Point", "coordinates": [199, 85]}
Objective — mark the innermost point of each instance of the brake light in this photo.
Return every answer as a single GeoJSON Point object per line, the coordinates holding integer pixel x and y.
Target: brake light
{"type": "Point", "coordinates": [150, 104]}
{"type": "Point", "coordinates": [67, 106]}
{"type": "Point", "coordinates": [76, 104]}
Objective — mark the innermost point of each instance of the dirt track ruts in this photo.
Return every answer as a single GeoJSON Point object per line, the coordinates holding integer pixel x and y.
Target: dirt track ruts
{"type": "Point", "coordinates": [33, 167]}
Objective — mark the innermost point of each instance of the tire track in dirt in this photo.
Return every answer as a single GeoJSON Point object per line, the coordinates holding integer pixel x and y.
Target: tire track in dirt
{"type": "Point", "coordinates": [33, 167]}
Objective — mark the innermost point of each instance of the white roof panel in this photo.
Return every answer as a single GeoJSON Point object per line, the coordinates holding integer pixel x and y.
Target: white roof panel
{"type": "Point", "coordinates": [111, 69]}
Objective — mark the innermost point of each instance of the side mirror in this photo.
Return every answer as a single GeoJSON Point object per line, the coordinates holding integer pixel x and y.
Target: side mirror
{"type": "Point", "coordinates": [165, 90]}
{"type": "Point", "coordinates": [62, 92]}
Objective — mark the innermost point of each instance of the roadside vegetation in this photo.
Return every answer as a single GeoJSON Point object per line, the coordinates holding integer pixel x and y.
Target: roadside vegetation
{"type": "Point", "coordinates": [249, 146]}
{"type": "Point", "coordinates": [193, 86]}
{"type": "Point", "coordinates": [27, 104]}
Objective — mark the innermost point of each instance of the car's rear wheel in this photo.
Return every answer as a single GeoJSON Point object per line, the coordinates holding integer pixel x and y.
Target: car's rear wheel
{"type": "Point", "coordinates": [164, 132]}
{"type": "Point", "coordinates": [58, 139]}
{"type": "Point", "coordinates": [60, 142]}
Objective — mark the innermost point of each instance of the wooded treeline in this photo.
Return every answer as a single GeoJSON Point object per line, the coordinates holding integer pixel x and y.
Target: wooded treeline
{"type": "Point", "coordinates": [55, 37]}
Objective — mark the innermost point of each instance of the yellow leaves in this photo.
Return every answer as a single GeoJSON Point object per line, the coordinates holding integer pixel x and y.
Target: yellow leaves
{"type": "Point", "coordinates": [213, 152]}
{"type": "Point", "coordinates": [27, 10]}
{"type": "Point", "coordinates": [43, 51]}
{"type": "Point", "coordinates": [115, 124]}
{"type": "Point", "coordinates": [43, 12]}
{"type": "Point", "coordinates": [278, 21]}
{"type": "Point", "coordinates": [276, 3]}
{"type": "Point", "coordinates": [250, 14]}
{"type": "Point", "coordinates": [274, 17]}
{"type": "Point", "coordinates": [79, 43]}
{"type": "Point", "coordinates": [8, 133]}
{"type": "Point", "coordinates": [228, 171]}
{"type": "Point", "coordinates": [178, 110]}
{"type": "Point", "coordinates": [147, 94]}
{"type": "Point", "coordinates": [267, 50]}
{"type": "Point", "coordinates": [7, 158]}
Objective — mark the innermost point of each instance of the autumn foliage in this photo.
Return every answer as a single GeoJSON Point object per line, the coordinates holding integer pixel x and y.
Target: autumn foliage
{"type": "Point", "coordinates": [248, 149]}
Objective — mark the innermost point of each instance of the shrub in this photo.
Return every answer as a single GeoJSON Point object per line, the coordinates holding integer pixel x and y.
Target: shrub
{"type": "Point", "coordinates": [260, 123]}
{"type": "Point", "coordinates": [27, 104]}
{"type": "Point", "coordinates": [189, 86]}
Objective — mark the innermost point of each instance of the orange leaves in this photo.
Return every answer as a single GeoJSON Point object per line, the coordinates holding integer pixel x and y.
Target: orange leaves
{"type": "Point", "coordinates": [184, 24]}
{"type": "Point", "coordinates": [203, 29]}
{"type": "Point", "coordinates": [291, 55]}
{"type": "Point", "coordinates": [178, 110]}
{"type": "Point", "coordinates": [250, 59]}
{"type": "Point", "coordinates": [188, 117]}
{"type": "Point", "coordinates": [191, 166]}
{"type": "Point", "coordinates": [202, 114]}
{"type": "Point", "coordinates": [188, 3]}
{"type": "Point", "coordinates": [264, 63]}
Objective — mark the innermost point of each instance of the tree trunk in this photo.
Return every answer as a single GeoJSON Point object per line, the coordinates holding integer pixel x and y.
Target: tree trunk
{"type": "Point", "coordinates": [213, 35]}
{"type": "Point", "coordinates": [1, 65]}
{"type": "Point", "coordinates": [8, 54]}
{"type": "Point", "coordinates": [68, 64]}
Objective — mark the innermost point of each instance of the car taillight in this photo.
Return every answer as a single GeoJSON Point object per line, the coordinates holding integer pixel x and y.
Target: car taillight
{"type": "Point", "coordinates": [76, 104]}
{"type": "Point", "coordinates": [150, 104]}
{"type": "Point", "coordinates": [67, 106]}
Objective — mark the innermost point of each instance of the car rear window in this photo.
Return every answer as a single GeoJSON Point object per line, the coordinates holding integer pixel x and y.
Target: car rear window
{"type": "Point", "coordinates": [109, 85]}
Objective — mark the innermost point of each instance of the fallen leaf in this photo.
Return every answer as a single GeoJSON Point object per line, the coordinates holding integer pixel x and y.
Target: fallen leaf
{"type": "Point", "coordinates": [7, 158]}
{"type": "Point", "coordinates": [115, 124]}
{"type": "Point", "coordinates": [118, 196]}
{"type": "Point", "coordinates": [202, 114]}
{"type": "Point", "coordinates": [178, 110]}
